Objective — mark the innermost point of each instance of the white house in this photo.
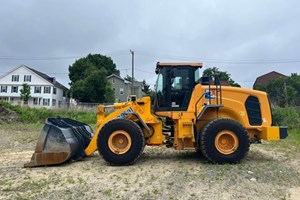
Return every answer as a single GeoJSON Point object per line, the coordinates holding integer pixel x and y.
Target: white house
{"type": "Point", "coordinates": [45, 91]}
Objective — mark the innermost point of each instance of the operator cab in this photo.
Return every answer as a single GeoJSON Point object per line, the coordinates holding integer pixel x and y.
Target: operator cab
{"type": "Point", "coordinates": [174, 85]}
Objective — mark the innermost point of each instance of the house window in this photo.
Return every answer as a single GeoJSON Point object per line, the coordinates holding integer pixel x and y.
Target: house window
{"type": "Point", "coordinates": [14, 89]}
{"type": "Point", "coordinates": [53, 102]}
{"type": "Point", "coordinates": [15, 78]}
{"type": "Point", "coordinates": [54, 90]}
{"type": "Point", "coordinates": [121, 91]}
{"type": "Point", "coordinates": [3, 89]}
{"type": "Point", "coordinates": [27, 78]}
{"type": "Point", "coordinates": [37, 89]}
{"type": "Point", "coordinates": [47, 90]}
{"type": "Point", "coordinates": [4, 99]}
{"type": "Point", "coordinates": [35, 101]}
{"type": "Point", "coordinates": [46, 102]}
{"type": "Point", "coordinates": [113, 80]}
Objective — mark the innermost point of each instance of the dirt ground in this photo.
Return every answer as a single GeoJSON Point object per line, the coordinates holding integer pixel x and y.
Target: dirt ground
{"type": "Point", "coordinates": [268, 172]}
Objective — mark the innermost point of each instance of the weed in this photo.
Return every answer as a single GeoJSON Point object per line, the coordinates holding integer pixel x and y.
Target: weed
{"type": "Point", "coordinates": [108, 192]}
{"type": "Point", "coordinates": [70, 180]}
{"type": "Point", "coordinates": [156, 191]}
{"type": "Point", "coordinates": [81, 180]}
{"type": "Point", "coordinates": [152, 178]}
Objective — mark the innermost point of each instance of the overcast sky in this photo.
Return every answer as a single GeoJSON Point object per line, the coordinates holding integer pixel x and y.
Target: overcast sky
{"type": "Point", "coordinates": [244, 38]}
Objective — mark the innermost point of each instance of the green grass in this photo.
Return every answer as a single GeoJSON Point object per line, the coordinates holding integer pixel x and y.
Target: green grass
{"type": "Point", "coordinates": [293, 138]}
{"type": "Point", "coordinates": [292, 142]}
{"type": "Point", "coordinates": [39, 115]}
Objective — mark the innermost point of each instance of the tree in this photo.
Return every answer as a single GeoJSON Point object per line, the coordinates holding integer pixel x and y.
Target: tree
{"type": "Point", "coordinates": [284, 91]}
{"type": "Point", "coordinates": [129, 78]}
{"type": "Point", "coordinates": [295, 83]}
{"type": "Point", "coordinates": [25, 93]}
{"type": "Point", "coordinates": [276, 90]}
{"type": "Point", "coordinates": [224, 76]}
{"type": "Point", "coordinates": [146, 88]}
{"type": "Point", "coordinates": [88, 79]}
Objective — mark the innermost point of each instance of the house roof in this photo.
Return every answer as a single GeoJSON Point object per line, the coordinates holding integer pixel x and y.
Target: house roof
{"type": "Point", "coordinates": [42, 75]}
{"type": "Point", "coordinates": [264, 79]}
{"type": "Point", "coordinates": [114, 75]}
{"type": "Point", "coordinates": [48, 78]}
{"type": "Point", "coordinates": [135, 83]}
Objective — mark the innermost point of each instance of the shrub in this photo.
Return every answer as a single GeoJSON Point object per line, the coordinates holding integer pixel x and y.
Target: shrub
{"type": "Point", "coordinates": [39, 115]}
{"type": "Point", "coordinates": [288, 116]}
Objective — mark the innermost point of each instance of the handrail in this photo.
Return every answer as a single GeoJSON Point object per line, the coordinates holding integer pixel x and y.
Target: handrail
{"type": "Point", "coordinates": [198, 102]}
{"type": "Point", "coordinates": [218, 89]}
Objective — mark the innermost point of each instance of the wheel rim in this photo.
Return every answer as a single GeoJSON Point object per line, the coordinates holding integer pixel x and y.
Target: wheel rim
{"type": "Point", "coordinates": [226, 142]}
{"type": "Point", "coordinates": [119, 142]}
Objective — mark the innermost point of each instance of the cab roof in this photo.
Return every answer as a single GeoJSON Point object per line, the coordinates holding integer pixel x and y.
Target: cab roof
{"type": "Point", "coordinates": [159, 65]}
{"type": "Point", "coordinates": [170, 64]}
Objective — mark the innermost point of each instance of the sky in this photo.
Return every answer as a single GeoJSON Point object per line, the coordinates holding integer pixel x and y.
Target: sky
{"type": "Point", "coordinates": [245, 38]}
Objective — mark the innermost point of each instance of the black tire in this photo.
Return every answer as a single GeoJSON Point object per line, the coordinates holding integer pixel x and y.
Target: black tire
{"type": "Point", "coordinates": [224, 140]}
{"type": "Point", "coordinates": [200, 154]}
{"type": "Point", "coordinates": [124, 130]}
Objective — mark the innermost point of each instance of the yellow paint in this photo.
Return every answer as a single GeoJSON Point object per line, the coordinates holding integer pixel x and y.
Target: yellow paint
{"type": "Point", "coordinates": [226, 142]}
{"type": "Point", "coordinates": [233, 106]}
{"type": "Point", "coordinates": [242, 113]}
{"type": "Point", "coordinates": [142, 108]}
{"type": "Point", "coordinates": [270, 133]}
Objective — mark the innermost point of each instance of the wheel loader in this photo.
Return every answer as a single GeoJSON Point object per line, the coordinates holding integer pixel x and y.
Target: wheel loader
{"type": "Point", "coordinates": [188, 113]}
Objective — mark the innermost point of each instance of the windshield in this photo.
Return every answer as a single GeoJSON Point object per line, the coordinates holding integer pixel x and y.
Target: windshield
{"type": "Point", "coordinates": [159, 83]}
{"type": "Point", "coordinates": [160, 88]}
{"type": "Point", "coordinates": [174, 87]}
{"type": "Point", "coordinates": [197, 75]}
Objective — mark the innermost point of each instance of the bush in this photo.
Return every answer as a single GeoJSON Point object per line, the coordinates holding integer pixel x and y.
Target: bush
{"type": "Point", "coordinates": [288, 116]}
{"type": "Point", "coordinates": [39, 115]}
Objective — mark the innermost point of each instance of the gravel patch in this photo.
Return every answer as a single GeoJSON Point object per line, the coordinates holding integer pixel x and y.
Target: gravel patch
{"type": "Point", "coordinates": [160, 173]}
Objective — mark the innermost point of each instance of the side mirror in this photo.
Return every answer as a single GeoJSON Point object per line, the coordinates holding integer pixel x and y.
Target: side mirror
{"type": "Point", "coordinates": [205, 80]}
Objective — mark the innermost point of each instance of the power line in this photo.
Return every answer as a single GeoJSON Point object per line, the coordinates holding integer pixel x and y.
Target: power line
{"type": "Point", "coordinates": [118, 52]}
{"type": "Point", "coordinates": [55, 73]}
{"type": "Point", "coordinates": [221, 61]}
{"type": "Point", "coordinates": [144, 71]}
{"type": "Point", "coordinates": [37, 58]}
{"type": "Point", "coordinates": [167, 56]}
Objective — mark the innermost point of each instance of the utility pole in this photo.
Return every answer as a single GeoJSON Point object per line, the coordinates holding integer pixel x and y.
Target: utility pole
{"type": "Point", "coordinates": [132, 70]}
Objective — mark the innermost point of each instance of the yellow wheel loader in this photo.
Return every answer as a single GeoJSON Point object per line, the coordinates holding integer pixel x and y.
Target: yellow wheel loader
{"type": "Point", "coordinates": [189, 113]}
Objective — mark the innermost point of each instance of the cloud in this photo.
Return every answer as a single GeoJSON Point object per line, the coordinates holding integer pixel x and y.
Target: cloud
{"type": "Point", "coordinates": [217, 32]}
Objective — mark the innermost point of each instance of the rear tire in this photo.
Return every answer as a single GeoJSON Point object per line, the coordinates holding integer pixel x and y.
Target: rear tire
{"type": "Point", "coordinates": [224, 140]}
{"type": "Point", "coordinates": [120, 142]}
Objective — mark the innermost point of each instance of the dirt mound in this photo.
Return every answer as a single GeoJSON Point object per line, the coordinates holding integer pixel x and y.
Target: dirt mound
{"type": "Point", "coordinates": [7, 116]}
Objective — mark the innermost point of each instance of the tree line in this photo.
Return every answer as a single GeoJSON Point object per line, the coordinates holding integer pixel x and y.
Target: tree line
{"type": "Point", "coordinates": [283, 91]}
{"type": "Point", "coordinates": [89, 83]}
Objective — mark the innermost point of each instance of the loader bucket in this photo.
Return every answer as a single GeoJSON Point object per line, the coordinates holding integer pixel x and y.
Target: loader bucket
{"type": "Point", "coordinates": [61, 140]}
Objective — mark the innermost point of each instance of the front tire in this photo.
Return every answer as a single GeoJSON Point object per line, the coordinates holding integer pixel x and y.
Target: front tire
{"type": "Point", "coordinates": [224, 140]}
{"type": "Point", "coordinates": [120, 142]}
